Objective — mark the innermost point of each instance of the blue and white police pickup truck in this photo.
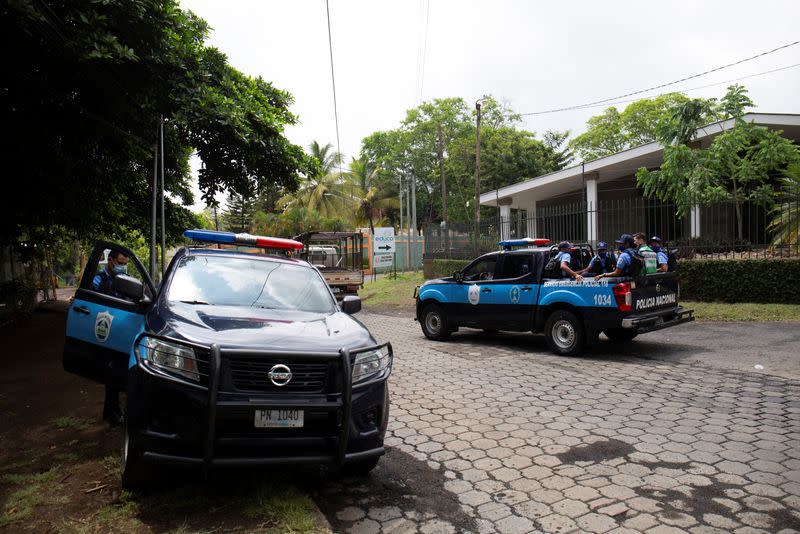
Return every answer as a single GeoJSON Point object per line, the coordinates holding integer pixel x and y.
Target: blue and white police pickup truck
{"type": "Point", "coordinates": [513, 290]}
{"type": "Point", "coordinates": [235, 359]}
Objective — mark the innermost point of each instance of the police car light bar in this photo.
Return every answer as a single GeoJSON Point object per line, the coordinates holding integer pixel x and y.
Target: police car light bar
{"type": "Point", "coordinates": [526, 241]}
{"type": "Point", "coordinates": [230, 238]}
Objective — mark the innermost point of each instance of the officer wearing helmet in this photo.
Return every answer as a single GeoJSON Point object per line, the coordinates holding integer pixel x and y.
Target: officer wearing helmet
{"type": "Point", "coordinates": [661, 255]}
{"type": "Point", "coordinates": [602, 262]}
{"type": "Point", "coordinates": [625, 259]}
{"type": "Point", "coordinates": [564, 258]}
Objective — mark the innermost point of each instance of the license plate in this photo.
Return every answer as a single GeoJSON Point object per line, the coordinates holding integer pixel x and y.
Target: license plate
{"type": "Point", "coordinates": [279, 418]}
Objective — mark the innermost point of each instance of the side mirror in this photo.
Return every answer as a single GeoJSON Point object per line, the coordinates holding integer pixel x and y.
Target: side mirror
{"type": "Point", "coordinates": [458, 277]}
{"type": "Point", "coordinates": [128, 287]}
{"type": "Point", "coordinates": [351, 304]}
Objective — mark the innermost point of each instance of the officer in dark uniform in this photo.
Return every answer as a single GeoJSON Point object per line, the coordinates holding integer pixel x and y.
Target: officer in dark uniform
{"type": "Point", "coordinates": [103, 283]}
{"type": "Point", "coordinates": [624, 260]}
{"type": "Point", "coordinates": [603, 261]}
{"type": "Point", "coordinates": [661, 254]}
{"type": "Point", "coordinates": [564, 260]}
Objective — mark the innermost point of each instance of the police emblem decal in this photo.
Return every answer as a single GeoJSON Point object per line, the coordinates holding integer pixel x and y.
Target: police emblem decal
{"type": "Point", "coordinates": [474, 294]}
{"type": "Point", "coordinates": [102, 326]}
{"type": "Point", "coordinates": [513, 294]}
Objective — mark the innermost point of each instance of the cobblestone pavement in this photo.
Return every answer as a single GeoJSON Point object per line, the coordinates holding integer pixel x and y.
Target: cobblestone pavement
{"type": "Point", "coordinates": [493, 434]}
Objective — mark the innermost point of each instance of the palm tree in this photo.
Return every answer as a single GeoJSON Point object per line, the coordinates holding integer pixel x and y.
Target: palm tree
{"type": "Point", "coordinates": [319, 193]}
{"type": "Point", "coordinates": [368, 197]}
{"type": "Point", "coordinates": [786, 214]}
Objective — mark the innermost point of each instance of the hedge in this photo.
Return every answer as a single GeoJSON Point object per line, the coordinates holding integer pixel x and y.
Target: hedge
{"type": "Point", "coordinates": [769, 281]}
{"type": "Point", "coordinates": [766, 281]}
{"type": "Point", "coordinates": [442, 268]}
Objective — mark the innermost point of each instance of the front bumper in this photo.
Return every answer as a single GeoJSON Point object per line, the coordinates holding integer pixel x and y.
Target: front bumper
{"type": "Point", "coordinates": [180, 423]}
{"type": "Point", "coordinates": [658, 320]}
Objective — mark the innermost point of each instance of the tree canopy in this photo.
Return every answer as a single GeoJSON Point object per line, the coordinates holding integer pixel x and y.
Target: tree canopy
{"type": "Point", "coordinates": [81, 99]}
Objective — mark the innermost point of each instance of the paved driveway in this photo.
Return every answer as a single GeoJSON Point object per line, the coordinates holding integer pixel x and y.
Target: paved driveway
{"type": "Point", "coordinates": [494, 434]}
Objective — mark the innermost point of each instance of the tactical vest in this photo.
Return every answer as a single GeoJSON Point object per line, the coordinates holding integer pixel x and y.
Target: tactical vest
{"type": "Point", "coordinates": [603, 265]}
{"type": "Point", "coordinates": [650, 259]}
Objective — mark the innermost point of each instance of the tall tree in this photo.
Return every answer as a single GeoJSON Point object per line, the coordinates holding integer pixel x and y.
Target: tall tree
{"type": "Point", "coordinates": [239, 213]}
{"type": "Point", "coordinates": [370, 197]}
{"type": "Point", "coordinates": [739, 166]}
{"type": "Point", "coordinates": [614, 130]}
{"type": "Point", "coordinates": [83, 93]}
{"type": "Point", "coordinates": [329, 159]}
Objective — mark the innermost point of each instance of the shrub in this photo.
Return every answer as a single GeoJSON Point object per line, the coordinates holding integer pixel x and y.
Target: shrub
{"type": "Point", "coordinates": [442, 268]}
{"type": "Point", "coordinates": [687, 248]}
{"type": "Point", "coordinates": [763, 280]}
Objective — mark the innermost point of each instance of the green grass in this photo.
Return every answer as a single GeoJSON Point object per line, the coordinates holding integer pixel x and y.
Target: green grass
{"type": "Point", "coordinates": [281, 507]}
{"type": "Point", "coordinates": [76, 423]}
{"type": "Point", "coordinates": [388, 292]}
{"type": "Point", "coordinates": [38, 489]}
{"type": "Point", "coordinates": [746, 311]}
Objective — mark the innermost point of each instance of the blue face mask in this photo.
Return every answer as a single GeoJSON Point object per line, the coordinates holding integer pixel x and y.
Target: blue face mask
{"type": "Point", "coordinates": [120, 269]}
{"type": "Point", "coordinates": [621, 248]}
{"type": "Point", "coordinates": [655, 248]}
{"type": "Point", "coordinates": [603, 254]}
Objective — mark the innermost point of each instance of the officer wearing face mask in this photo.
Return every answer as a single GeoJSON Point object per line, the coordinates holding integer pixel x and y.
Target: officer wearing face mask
{"type": "Point", "coordinates": [603, 261]}
{"type": "Point", "coordinates": [117, 264]}
{"type": "Point", "coordinates": [103, 282]}
{"type": "Point", "coordinates": [661, 254]}
{"type": "Point", "coordinates": [624, 260]}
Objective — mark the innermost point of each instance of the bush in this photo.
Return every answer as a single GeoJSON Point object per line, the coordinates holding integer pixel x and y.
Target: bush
{"type": "Point", "coordinates": [687, 248]}
{"type": "Point", "coordinates": [442, 268]}
{"type": "Point", "coordinates": [765, 281]}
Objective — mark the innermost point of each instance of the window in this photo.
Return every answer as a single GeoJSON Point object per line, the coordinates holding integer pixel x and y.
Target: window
{"type": "Point", "coordinates": [256, 283]}
{"type": "Point", "coordinates": [104, 265]}
{"type": "Point", "coordinates": [482, 269]}
{"type": "Point", "coordinates": [516, 265]}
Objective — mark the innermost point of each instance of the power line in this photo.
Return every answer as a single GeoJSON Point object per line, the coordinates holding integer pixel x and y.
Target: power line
{"type": "Point", "coordinates": [686, 78]}
{"type": "Point", "coordinates": [333, 82]}
{"type": "Point", "coordinates": [425, 25]}
{"type": "Point", "coordinates": [715, 84]}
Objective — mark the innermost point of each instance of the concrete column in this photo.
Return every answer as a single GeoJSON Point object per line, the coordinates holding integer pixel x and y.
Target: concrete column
{"type": "Point", "coordinates": [695, 221]}
{"type": "Point", "coordinates": [530, 217]}
{"type": "Point", "coordinates": [505, 222]}
{"type": "Point", "coordinates": [591, 209]}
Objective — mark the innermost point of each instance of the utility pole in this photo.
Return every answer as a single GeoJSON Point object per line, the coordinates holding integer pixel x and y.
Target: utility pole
{"type": "Point", "coordinates": [478, 177]}
{"type": "Point", "coordinates": [163, 219]}
{"type": "Point", "coordinates": [408, 225]}
{"type": "Point", "coordinates": [414, 219]}
{"type": "Point", "coordinates": [444, 189]}
{"type": "Point", "coordinates": [153, 260]}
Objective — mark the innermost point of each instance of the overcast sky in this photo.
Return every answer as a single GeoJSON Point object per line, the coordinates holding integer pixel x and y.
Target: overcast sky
{"type": "Point", "coordinates": [534, 55]}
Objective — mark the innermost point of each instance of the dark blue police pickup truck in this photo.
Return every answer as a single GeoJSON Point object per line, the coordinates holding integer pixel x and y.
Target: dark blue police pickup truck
{"type": "Point", "coordinates": [514, 290]}
{"type": "Point", "coordinates": [235, 359]}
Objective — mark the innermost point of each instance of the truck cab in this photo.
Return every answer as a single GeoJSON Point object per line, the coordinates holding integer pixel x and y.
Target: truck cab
{"type": "Point", "coordinates": [514, 290]}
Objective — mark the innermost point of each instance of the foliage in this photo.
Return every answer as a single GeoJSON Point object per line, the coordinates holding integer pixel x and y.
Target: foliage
{"type": "Point", "coordinates": [369, 196]}
{"type": "Point", "coordinates": [738, 165]}
{"type": "Point", "coordinates": [83, 93]}
{"type": "Point", "coordinates": [295, 220]}
{"type": "Point", "coordinates": [443, 268]}
{"type": "Point", "coordinates": [329, 160]}
{"type": "Point", "coordinates": [390, 292]}
{"type": "Point", "coordinates": [239, 213]}
{"type": "Point", "coordinates": [762, 280]}
{"type": "Point", "coordinates": [785, 223]}
{"type": "Point", "coordinates": [614, 130]}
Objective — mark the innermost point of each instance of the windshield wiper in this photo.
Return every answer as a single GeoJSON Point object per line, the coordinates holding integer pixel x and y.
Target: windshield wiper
{"type": "Point", "coordinates": [197, 302]}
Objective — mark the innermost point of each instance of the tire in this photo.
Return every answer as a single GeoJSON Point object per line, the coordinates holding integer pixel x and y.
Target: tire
{"type": "Point", "coordinates": [434, 323]}
{"type": "Point", "coordinates": [132, 469]}
{"type": "Point", "coordinates": [564, 333]}
{"type": "Point", "coordinates": [620, 335]}
{"type": "Point", "coordinates": [360, 468]}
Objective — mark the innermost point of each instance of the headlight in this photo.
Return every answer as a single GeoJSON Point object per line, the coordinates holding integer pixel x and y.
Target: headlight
{"type": "Point", "coordinates": [170, 357]}
{"type": "Point", "coordinates": [371, 363]}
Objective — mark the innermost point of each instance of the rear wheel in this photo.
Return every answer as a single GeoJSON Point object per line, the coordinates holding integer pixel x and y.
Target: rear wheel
{"type": "Point", "coordinates": [564, 333]}
{"type": "Point", "coordinates": [434, 323]}
{"type": "Point", "coordinates": [620, 335]}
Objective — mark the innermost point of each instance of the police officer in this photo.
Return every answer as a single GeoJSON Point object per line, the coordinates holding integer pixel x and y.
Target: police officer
{"type": "Point", "coordinates": [103, 282]}
{"type": "Point", "coordinates": [603, 261]}
{"type": "Point", "coordinates": [564, 259]}
{"type": "Point", "coordinates": [649, 255]}
{"type": "Point", "coordinates": [661, 255]}
{"type": "Point", "coordinates": [626, 246]}
{"type": "Point", "coordinates": [117, 264]}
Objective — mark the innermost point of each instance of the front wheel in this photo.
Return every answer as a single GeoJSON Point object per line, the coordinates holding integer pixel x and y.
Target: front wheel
{"type": "Point", "coordinates": [620, 335]}
{"type": "Point", "coordinates": [134, 472]}
{"type": "Point", "coordinates": [564, 333]}
{"type": "Point", "coordinates": [434, 323]}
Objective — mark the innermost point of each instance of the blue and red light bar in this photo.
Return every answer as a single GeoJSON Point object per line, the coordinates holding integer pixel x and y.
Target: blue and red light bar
{"type": "Point", "coordinates": [524, 242]}
{"type": "Point", "coordinates": [230, 238]}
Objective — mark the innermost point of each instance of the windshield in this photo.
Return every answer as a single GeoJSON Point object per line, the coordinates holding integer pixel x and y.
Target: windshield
{"type": "Point", "coordinates": [236, 281]}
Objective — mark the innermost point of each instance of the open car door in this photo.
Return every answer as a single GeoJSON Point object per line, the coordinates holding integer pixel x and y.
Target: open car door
{"type": "Point", "coordinates": [103, 322]}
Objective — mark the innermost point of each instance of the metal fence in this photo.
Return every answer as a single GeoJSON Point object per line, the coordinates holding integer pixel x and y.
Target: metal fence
{"type": "Point", "coordinates": [720, 230]}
